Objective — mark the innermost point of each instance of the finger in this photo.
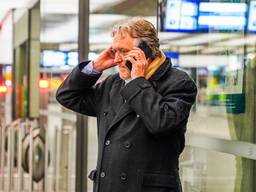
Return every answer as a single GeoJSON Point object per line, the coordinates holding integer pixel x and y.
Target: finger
{"type": "Point", "coordinates": [136, 49]}
{"type": "Point", "coordinates": [110, 52]}
{"type": "Point", "coordinates": [138, 60]}
{"type": "Point", "coordinates": [137, 63]}
{"type": "Point", "coordinates": [134, 55]}
{"type": "Point", "coordinates": [138, 52]}
{"type": "Point", "coordinates": [131, 59]}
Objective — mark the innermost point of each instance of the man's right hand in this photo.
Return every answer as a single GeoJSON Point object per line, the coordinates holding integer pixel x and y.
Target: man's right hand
{"type": "Point", "coordinates": [104, 61]}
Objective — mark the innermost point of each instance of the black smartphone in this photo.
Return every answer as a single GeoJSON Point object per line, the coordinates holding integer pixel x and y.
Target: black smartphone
{"type": "Point", "coordinates": [147, 51]}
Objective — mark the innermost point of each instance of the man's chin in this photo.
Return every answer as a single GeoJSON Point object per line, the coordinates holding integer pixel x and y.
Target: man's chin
{"type": "Point", "coordinates": [124, 77]}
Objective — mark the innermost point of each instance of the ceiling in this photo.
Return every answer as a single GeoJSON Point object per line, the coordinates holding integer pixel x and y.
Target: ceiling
{"type": "Point", "coordinates": [5, 6]}
{"type": "Point", "coordinates": [61, 17]}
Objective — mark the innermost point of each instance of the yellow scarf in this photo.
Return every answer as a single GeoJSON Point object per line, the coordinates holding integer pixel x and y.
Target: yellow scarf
{"type": "Point", "coordinates": [154, 65]}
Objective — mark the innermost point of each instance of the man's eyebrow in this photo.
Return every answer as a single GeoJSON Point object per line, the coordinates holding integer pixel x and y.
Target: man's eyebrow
{"type": "Point", "coordinates": [121, 48]}
{"type": "Point", "coordinates": [112, 48]}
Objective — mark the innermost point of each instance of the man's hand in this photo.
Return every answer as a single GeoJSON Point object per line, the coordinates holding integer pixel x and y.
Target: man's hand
{"type": "Point", "coordinates": [104, 61]}
{"type": "Point", "coordinates": [139, 62]}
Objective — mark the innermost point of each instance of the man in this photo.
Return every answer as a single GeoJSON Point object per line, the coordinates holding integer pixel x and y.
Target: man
{"type": "Point", "coordinates": [141, 112]}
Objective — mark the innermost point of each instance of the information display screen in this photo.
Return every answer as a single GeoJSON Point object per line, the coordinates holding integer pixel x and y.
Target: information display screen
{"type": "Point", "coordinates": [56, 58]}
{"type": "Point", "coordinates": [181, 15]}
{"type": "Point", "coordinates": [72, 58]}
{"type": "Point", "coordinates": [252, 17]}
{"type": "Point", "coordinates": [52, 58]}
{"type": "Point", "coordinates": [202, 15]}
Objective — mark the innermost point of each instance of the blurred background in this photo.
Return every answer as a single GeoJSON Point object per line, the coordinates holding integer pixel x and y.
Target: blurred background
{"type": "Point", "coordinates": [45, 147]}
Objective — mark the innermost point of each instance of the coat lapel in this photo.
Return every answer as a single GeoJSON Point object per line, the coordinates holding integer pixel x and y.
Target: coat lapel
{"type": "Point", "coordinates": [124, 111]}
{"type": "Point", "coordinates": [117, 103]}
{"type": "Point", "coordinates": [119, 106]}
{"type": "Point", "coordinates": [115, 98]}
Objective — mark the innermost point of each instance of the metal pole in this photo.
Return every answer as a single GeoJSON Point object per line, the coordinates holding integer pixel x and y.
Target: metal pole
{"type": "Point", "coordinates": [3, 153]}
{"type": "Point", "coordinates": [82, 121]}
{"type": "Point", "coordinates": [31, 135]}
{"type": "Point", "coordinates": [10, 157]}
{"type": "Point", "coordinates": [21, 132]}
{"type": "Point", "coordinates": [47, 186]}
{"type": "Point", "coordinates": [58, 159]}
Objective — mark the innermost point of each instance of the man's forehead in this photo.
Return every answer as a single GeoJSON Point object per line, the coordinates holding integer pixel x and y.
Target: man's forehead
{"type": "Point", "coordinates": [120, 35]}
{"type": "Point", "coordinates": [124, 39]}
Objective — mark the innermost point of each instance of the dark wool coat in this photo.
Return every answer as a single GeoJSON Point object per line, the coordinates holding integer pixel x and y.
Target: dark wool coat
{"type": "Point", "coordinates": [141, 126]}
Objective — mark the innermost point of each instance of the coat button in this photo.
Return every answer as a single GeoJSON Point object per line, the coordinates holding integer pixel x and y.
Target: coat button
{"type": "Point", "coordinates": [137, 116]}
{"type": "Point", "coordinates": [127, 145]}
{"type": "Point", "coordinates": [107, 142]}
{"type": "Point", "coordinates": [102, 174]}
{"type": "Point", "coordinates": [123, 176]}
{"type": "Point", "coordinates": [105, 113]}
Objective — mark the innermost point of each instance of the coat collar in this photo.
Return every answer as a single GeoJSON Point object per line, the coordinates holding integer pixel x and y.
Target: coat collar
{"type": "Point", "coordinates": [161, 70]}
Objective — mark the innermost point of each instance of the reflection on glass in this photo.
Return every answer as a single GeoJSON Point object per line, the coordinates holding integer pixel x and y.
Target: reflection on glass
{"type": "Point", "coordinates": [216, 54]}
{"type": "Point", "coordinates": [219, 52]}
{"type": "Point", "coordinates": [208, 171]}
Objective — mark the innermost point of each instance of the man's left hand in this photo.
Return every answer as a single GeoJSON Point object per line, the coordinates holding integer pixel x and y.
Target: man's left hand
{"type": "Point", "coordinates": [139, 62]}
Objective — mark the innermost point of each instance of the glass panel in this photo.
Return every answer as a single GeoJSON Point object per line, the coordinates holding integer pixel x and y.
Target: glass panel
{"type": "Point", "coordinates": [6, 62]}
{"type": "Point", "coordinates": [59, 36]}
{"type": "Point", "coordinates": [219, 56]}
{"type": "Point", "coordinates": [208, 171]}
{"type": "Point", "coordinates": [214, 41]}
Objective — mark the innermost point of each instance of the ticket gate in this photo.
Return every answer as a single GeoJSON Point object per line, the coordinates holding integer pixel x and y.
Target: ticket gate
{"type": "Point", "coordinates": [48, 165]}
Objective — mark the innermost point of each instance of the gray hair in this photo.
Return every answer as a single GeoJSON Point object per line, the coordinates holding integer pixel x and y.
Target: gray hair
{"type": "Point", "coordinates": [138, 27]}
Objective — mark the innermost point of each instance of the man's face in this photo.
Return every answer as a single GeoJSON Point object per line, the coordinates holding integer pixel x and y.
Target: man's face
{"type": "Point", "coordinates": [121, 45]}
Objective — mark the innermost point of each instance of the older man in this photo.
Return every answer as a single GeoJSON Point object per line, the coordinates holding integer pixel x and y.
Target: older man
{"type": "Point", "coordinates": [141, 112]}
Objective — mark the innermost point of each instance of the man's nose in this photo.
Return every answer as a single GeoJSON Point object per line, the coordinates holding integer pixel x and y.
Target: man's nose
{"type": "Point", "coordinates": [118, 58]}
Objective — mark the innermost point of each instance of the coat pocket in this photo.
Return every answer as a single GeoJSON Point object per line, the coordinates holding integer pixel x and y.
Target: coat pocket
{"type": "Point", "coordinates": [92, 175]}
{"type": "Point", "coordinates": [158, 182]}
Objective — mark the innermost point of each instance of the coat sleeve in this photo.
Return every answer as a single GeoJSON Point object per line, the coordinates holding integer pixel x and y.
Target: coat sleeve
{"type": "Point", "coordinates": [79, 93]}
{"type": "Point", "coordinates": [164, 112]}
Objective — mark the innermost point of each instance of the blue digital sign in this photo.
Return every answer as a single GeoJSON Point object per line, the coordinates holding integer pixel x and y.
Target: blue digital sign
{"type": "Point", "coordinates": [52, 58]}
{"type": "Point", "coordinates": [174, 57]}
{"type": "Point", "coordinates": [201, 16]}
{"type": "Point", "coordinates": [72, 58]}
{"type": "Point", "coordinates": [181, 15]}
{"type": "Point", "coordinates": [56, 58]}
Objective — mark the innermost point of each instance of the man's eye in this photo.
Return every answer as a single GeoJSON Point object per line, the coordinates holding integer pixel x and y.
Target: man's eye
{"type": "Point", "coordinates": [123, 51]}
{"type": "Point", "coordinates": [113, 52]}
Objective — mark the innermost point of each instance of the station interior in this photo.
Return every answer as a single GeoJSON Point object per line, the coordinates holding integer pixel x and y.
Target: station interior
{"type": "Point", "coordinates": [214, 41]}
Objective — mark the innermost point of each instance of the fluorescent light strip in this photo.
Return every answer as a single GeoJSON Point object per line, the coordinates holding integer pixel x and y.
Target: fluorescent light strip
{"type": "Point", "coordinates": [201, 39]}
{"type": "Point", "coordinates": [251, 40]}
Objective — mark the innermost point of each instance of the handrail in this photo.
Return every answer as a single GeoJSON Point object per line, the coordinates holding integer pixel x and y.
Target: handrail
{"type": "Point", "coordinates": [238, 148]}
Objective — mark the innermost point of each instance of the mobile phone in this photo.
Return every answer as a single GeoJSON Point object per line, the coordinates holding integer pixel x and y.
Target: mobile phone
{"type": "Point", "coordinates": [147, 51]}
